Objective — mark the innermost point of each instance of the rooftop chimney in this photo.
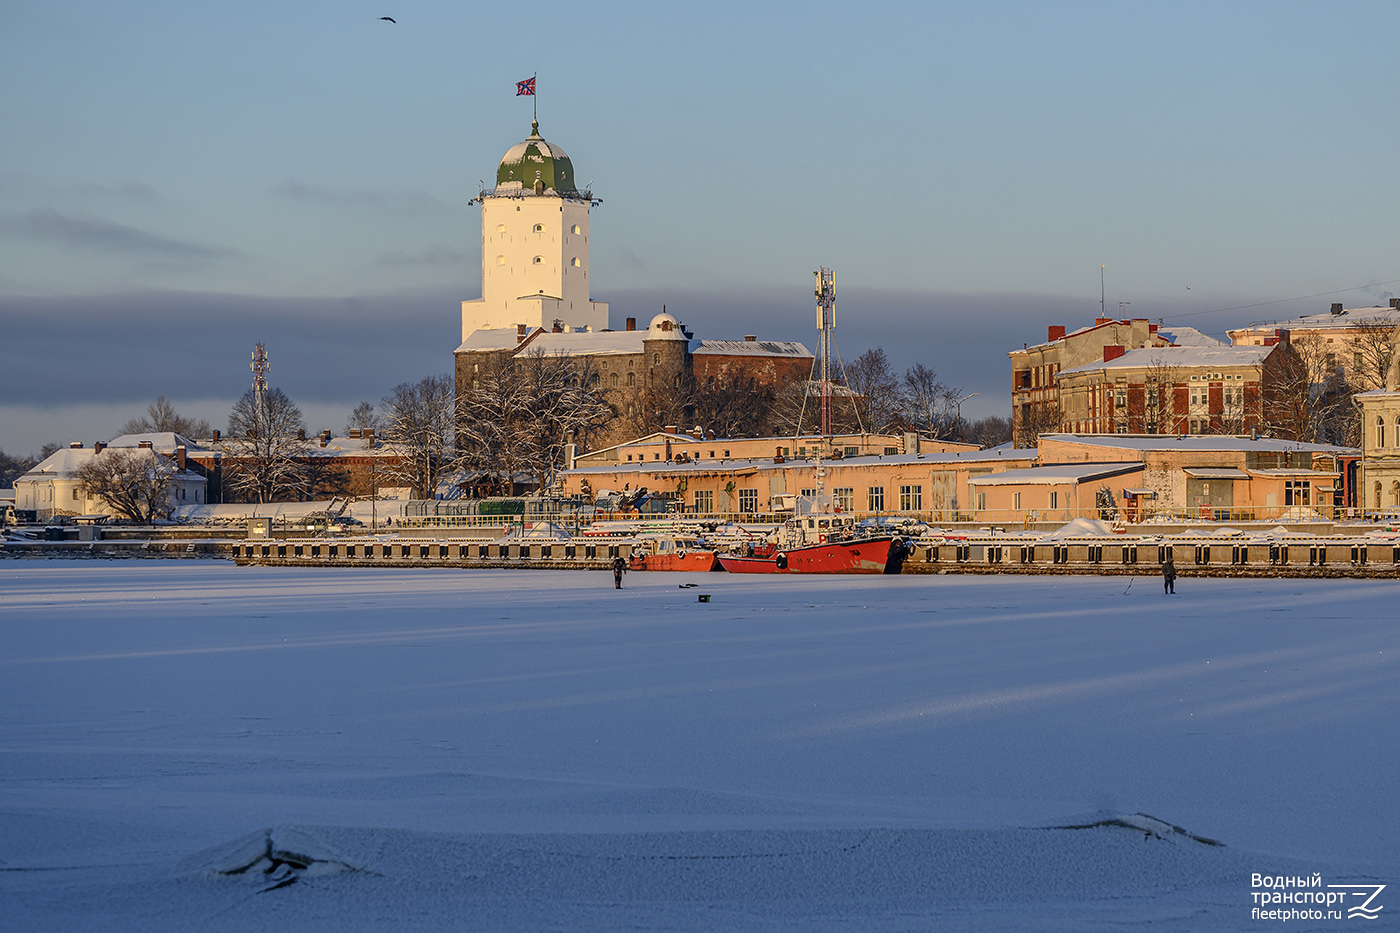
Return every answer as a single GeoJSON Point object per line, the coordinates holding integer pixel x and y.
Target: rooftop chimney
{"type": "Point", "coordinates": [671, 428]}
{"type": "Point", "coordinates": [301, 434]}
{"type": "Point", "coordinates": [1056, 332]}
{"type": "Point", "coordinates": [631, 323]}
{"type": "Point", "coordinates": [1152, 328]}
{"type": "Point", "coordinates": [355, 433]}
{"type": "Point", "coordinates": [1336, 307]}
{"type": "Point", "coordinates": [98, 447]}
{"type": "Point", "coordinates": [144, 445]}
{"type": "Point", "coordinates": [216, 436]}
{"type": "Point", "coordinates": [369, 436]}
{"type": "Point", "coordinates": [1112, 352]}
{"type": "Point", "coordinates": [180, 457]}
{"type": "Point", "coordinates": [520, 330]}
{"type": "Point", "coordinates": [75, 445]}
{"type": "Point", "coordinates": [325, 438]}
{"type": "Point", "coordinates": [750, 338]}
{"type": "Point", "coordinates": [1102, 320]}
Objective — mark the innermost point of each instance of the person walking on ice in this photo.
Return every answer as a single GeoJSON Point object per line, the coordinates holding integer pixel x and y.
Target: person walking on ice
{"type": "Point", "coordinates": [619, 567]}
{"type": "Point", "coordinates": [1169, 574]}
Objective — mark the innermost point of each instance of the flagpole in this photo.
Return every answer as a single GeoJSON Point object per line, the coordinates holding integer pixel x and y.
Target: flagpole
{"type": "Point", "coordinates": [536, 95]}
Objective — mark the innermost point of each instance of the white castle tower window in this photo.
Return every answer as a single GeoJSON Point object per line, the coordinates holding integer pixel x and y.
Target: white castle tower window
{"type": "Point", "coordinates": [534, 279]}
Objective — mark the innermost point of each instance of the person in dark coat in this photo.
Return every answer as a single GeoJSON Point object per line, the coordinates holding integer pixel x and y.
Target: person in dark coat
{"type": "Point", "coordinates": [619, 567]}
{"type": "Point", "coordinates": [1169, 574]}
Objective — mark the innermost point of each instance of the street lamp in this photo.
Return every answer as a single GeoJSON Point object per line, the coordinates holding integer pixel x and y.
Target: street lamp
{"type": "Point", "coordinates": [960, 401]}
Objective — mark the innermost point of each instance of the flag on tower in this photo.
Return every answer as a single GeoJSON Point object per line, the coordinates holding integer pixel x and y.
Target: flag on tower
{"type": "Point", "coordinates": [526, 87]}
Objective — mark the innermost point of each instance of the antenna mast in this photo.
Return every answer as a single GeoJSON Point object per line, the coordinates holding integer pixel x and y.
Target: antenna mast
{"type": "Point", "coordinates": [259, 366]}
{"type": "Point", "coordinates": [826, 323]}
{"type": "Point", "coordinates": [1103, 307]}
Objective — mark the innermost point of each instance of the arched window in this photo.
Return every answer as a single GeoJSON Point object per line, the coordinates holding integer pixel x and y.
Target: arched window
{"type": "Point", "coordinates": [539, 228]}
{"type": "Point", "coordinates": [1395, 492]}
{"type": "Point", "coordinates": [575, 229]}
{"type": "Point", "coordinates": [500, 228]}
{"type": "Point", "coordinates": [1376, 495]}
{"type": "Point", "coordinates": [1380, 431]}
{"type": "Point", "coordinates": [613, 380]}
{"type": "Point", "coordinates": [574, 262]}
{"type": "Point", "coordinates": [656, 359]}
{"type": "Point", "coordinates": [539, 260]}
{"type": "Point", "coordinates": [500, 260]}
{"type": "Point", "coordinates": [631, 379]}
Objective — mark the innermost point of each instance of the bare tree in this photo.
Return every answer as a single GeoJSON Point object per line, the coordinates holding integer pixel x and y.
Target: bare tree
{"type": "Point", "coordinates": [488, 423]}
{"type": "Point", "coordinates": [1373, 347]}
{"type": "Point", "coordinates": [162, 416]}
{"type": "Point", "coordinates": [566, 397]}
{"type": "Point", "coordinates": [1159, 414]}
{"type": "Point", "coordinates": [49, 449]}
{"type": "Point", "coordinates": [877, 400]}
{"type": "Point", "coordinates": [929, 403]}
{"type": "Point", "coordinates": [734, 407]}
{"type": "Point", "coordinates": [418, 418]}
{"type": "Point", "coordinates": [1310, 400]}
{"type": "Point", "coordinates": [265, 439]}
{"type": "Point", "coordinates": [992, 431]}
{"type": "Point", "coordinates": [12, 468]}
{"type": "Point", "coordinates": [1037, 419]}
{"type": "Point", "coordinates": [363, 418]}
{"type": "Point", "coordinates": [135, 483]}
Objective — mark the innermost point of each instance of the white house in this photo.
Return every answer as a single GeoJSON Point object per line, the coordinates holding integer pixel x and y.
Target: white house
{"type": "Point", "coordinates": [53, 488]}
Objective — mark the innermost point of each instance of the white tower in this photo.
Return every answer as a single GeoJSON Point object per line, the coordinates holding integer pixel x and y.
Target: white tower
{"type": "Point", "coordinates": [534, 245]}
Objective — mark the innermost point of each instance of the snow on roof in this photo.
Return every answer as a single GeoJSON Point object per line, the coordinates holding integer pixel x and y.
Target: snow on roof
{"type": "Point", "coordinates": [598, 343]}
{"type": "Point", "coordinates": [162, 441]}
{"type": "Point", "coordinates": [1215, 473]}
{"type": "Point", "coordinates": [1327, 320]}
{"type": "Point", "coordinates": [753, 348]}
{"type": "Point", "coordinates": [1188, 337]}
{"type": "Point", "coordinates": [1195, 442]}
{"type": "Point", "coordinates": [1057, 474]}
{"type": "Point", "coordinates": [752, 464]}
{"type": "Point", "coordinates": [1220, 355]}
{"type": "Point", "coordinates": [491, 338]}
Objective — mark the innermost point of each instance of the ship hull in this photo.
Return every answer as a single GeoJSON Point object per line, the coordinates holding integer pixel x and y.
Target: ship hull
{"type": "Point", "coordinates": [869, 555]}
{"type": "Point", "coordinates": [689, 562]}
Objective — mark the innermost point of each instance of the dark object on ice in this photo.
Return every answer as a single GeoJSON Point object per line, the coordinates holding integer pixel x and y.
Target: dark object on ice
{"type": "Point", "coordinates": [270, 858]}
{"type": "Point", "coordinates": [1169, 574]}
{"type": "Point", "coordinates": [619, 567]}
{"type": "Point", "coordinates": [688, 586]}
{"type": "Point", "coordinates": [1150, 826]}
{"type": "Point", "coordinates": [704, 597]}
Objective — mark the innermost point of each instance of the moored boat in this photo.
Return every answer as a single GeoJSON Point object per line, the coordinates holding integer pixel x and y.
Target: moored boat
{"type": "Point", "coordinates": [673, 552]}
{"type": "Point", "coordinates": [819, 544]}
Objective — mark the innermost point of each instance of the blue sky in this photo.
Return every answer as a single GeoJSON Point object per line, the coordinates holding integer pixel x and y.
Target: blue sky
{"type": "Point", "coordinates": [181, 180]}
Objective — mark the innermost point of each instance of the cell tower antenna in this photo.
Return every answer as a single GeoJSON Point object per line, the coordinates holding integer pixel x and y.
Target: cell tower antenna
{"type": "Point", "coordinates": [826, 323]}
{"type": "Point", "coordinates": [259, 366]}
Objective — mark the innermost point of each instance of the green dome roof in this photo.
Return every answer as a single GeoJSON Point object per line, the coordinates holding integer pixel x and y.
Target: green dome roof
{"type": "Point", "coordinates": [535, 160]}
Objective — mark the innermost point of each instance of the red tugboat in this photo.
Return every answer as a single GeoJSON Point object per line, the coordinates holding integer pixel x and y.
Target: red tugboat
{"type": "Point", "coordinates": [819, 544]}
{"type": "Point", "coordinates": [673, 552]}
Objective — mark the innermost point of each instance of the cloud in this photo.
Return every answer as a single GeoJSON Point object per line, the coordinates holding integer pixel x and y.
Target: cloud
{"type": "Point", "coordinates": [401, 202]}
{"type": "Point", "coordinates": [133, 191]}
{"type": "Point", "coordinates": [97, 235]}
{"type": "Point", "coordinates": [435, 255]}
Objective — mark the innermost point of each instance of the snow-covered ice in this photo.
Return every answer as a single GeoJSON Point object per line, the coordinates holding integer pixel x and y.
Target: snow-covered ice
{"type": "Point", "coordinates": [193, 745]}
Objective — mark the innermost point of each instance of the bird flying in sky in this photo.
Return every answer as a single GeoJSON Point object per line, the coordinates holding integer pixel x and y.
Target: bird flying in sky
{"type": "Point", "coordinates": [389, 19]}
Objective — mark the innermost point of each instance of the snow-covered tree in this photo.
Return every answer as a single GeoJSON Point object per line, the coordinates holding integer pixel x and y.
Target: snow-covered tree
{"type": "Point", "coordinates": [418, 419]}
{"type": "Point", "coordinates": [134, 483]}
{"type": "Point", "coordinates": [265, 439]}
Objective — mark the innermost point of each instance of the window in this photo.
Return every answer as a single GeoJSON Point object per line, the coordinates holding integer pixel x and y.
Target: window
{"type": "Point", "coordinates": [726, 455]}
{"type": "Point", "coordinates": [500, 228]}
{"type": "Point", "coordinates": [574, 262]}
{"type": "Point", "coordinates": [629, 456]}
{"type": "Point", "coordinates": [612, 380]}
{"type": "Point", "coordinates": [809, 493]}
{"type": "Point", "coordinates": [911, 498]}
{"type": "Point", "coordinates": [1054, 498]}
{"type": "Point", "coordinates": [748, 500]}
{"type": "Point", "coordinates": [1356, 361]}
{"type": "Point", "coordinates": [539, 228]}
{"type": "Point", "coordinates": [981, 501]}
{"type": "Point", "coordinates": [631, 379]}
{"type": "Point", "coordinates": [845, 497]}
{"type": "Point", "coordinates": [704, 501]}
{"type": "Point", "coordinates": [1380, 432]}
{"type": "Point", "coordinates": [575, 229]}
{"type": "Point", "coordinates": [875, 498]}
{"type": "Point", "coordinates": [852, 451]}
{"type": "Point", "coordinates": [538, 260]}
{"type": "Point", "coordinates": [75, 493]}
{"type": "Point", "coordinates": [1297, 492]}
{"type": "Point", "coordinates": [656, 359]}
{"type": "Point", "coordinates": [500, 260]}
{"type": "Point", "coordinates": [1015, 500]}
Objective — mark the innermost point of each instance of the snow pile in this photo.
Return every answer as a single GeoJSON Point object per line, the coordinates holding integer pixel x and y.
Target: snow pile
{"type": "Point", "coordinates": [1080, 528]}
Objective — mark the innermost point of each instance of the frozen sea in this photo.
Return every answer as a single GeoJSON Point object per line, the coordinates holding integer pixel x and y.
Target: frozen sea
{"type": "Point", "coordinates": [193, 745]}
